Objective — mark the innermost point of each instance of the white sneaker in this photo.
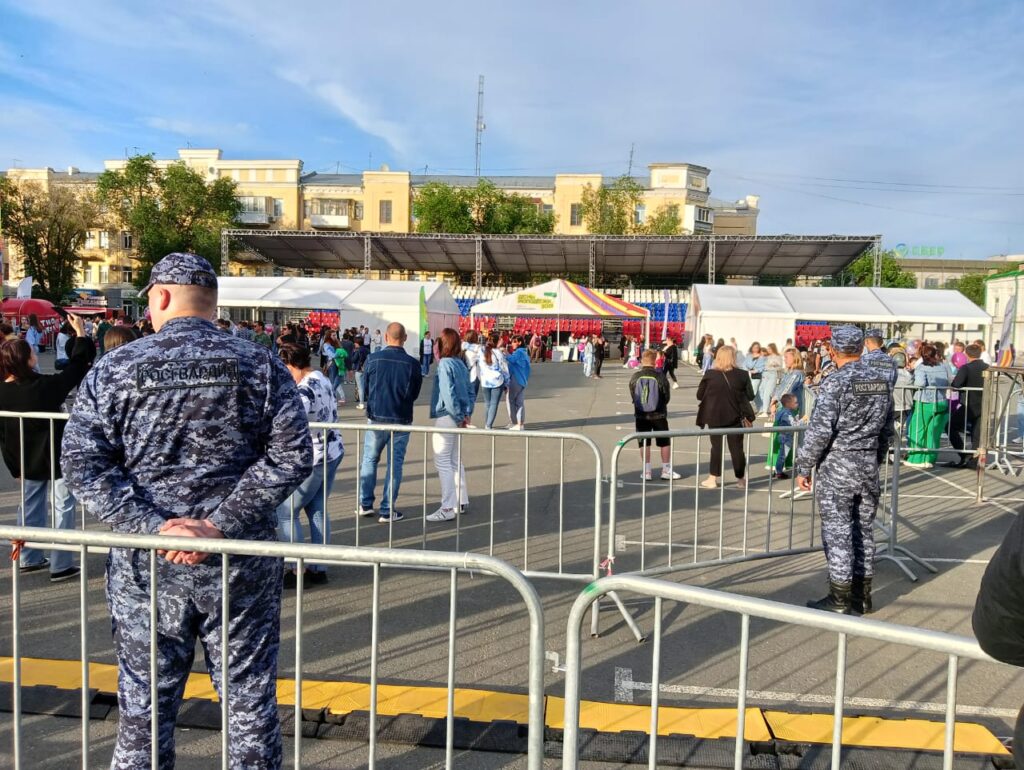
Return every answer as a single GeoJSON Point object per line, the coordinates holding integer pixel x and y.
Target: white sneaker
{"type": "Point", "coordinates": [441, 514]}
{"type": "Point", "coordinates": [360, 406]}
{"type": "Point", "coordinates": [711, 482]}
{"type": "Point", "coordinates": [675, 386]}
{"type": "Point", "coordinates": [646, 476]}
{"type": "Point", "coordinates": [741, 483]}
{"type": "Point", "coordinates": [364, 511]}
{"type": "Point", "coordinates": [669, 475]}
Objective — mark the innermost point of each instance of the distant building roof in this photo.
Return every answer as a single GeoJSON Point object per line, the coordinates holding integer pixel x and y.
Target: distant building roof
{"type": "Point", "coordinates": [338, 180]}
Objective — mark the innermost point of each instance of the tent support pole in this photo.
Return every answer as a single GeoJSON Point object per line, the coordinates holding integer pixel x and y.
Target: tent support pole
{"type": "Point", "coordinates": [876, 271]}
{"type": "Point", "coordinates": [478, 276]}
{"type": "Point", "coordinates": [711, 260]}
{"type": "Point", "coordinates": [225, 253]}
{"type": "Point", "coordinates": [647, 329]}
{"type": "Point", "coordinates": [592, 268]}
{"type": "Point", "coordinates": [367, 255]}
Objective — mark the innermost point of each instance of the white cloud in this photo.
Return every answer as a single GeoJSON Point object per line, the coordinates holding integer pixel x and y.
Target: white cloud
{"type": "Point", "coordinates": [188, 128]}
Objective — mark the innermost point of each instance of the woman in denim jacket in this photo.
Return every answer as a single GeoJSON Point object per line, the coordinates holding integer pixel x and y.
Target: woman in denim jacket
{"type": "Point", "coordinates": [931, 408]}
{"type": "Point", "coordinates": [450, 405]}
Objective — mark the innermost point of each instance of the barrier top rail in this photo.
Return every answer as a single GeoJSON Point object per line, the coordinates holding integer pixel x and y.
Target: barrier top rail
{"type": "Point", "coordinates": [337, 554]}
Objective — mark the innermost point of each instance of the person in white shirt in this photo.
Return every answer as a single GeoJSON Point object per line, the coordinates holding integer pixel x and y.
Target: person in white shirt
{"type": "Point", "coordinates": [376, 342]}
{"type": "Point", "coordinates": [472, 352]}
{"type": "Point", "coordinates": [426, 354]}
{"type": "Point", "coordinates": [985, 355]}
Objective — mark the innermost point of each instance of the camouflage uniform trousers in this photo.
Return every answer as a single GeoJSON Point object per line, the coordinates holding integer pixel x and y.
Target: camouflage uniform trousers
{"type": "Point", "coordinates": [846, 490]}
{"type": "Point", "coordinates": [189, 607]}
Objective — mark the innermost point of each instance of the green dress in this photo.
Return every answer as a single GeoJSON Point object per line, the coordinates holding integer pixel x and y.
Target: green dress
{"type": "Point", "coordinates": [925, 431]}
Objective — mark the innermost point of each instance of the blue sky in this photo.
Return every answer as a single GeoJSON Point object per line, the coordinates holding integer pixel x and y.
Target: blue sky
{"type": "Point", "coordinates": [850, 117]}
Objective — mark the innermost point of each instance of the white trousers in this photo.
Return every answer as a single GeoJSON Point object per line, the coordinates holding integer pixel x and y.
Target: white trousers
{"type": "Point", "coordinates": [450, 470]}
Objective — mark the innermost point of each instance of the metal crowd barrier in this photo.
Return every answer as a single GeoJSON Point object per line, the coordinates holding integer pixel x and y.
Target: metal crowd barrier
{"type": "Point", "coordinates": [525, 541]}
{"type": "Point", "coordinates": [954, 647]}
{"type": "Point", "coordinates": [479, 444]}
{"type": "Point", "coordinates": [375, 558]}
{"type": "Point", "coordinates": [782, 530]}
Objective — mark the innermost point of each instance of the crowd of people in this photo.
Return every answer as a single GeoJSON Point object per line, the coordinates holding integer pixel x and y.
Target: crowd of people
{"type": "Point", "coordinates": [937, 389]}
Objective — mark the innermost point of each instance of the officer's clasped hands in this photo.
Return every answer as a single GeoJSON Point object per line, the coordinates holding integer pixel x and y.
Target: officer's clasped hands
{"type": "Point", "coordinates": [188, 528]}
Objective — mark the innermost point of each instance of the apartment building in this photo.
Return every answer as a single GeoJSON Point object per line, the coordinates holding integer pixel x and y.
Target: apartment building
{"type": "Point", "coordinates": [275, 194]}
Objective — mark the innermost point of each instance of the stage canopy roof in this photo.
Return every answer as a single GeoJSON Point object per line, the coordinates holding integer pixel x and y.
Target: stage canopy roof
{"type": "Point", "coordinates": [332, 293]}
{"type": "Point", "coordinates": [560, 298]}
{"type": "Point", "coordinates": [686, 256]}
{"type": "Point", "coordinates": [850, 304]}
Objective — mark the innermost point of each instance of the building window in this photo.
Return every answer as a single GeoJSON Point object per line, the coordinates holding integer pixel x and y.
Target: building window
{"type": "Point", "coordinates": [253, 204]}
{"type": "Point", "coordinates": [90, 239]}
{"type": "Point", "coordinates": [703, 215]}
{"type": "Point", "coordinates": [639, 214]}
{"type": "Point", "coordinates": [931, 283]}
{"type": "Point", "coordinates": [104, 274]}
{"type": "Point", "coordinates": [547, 209]}
{"type": "Point", "coordinates": [104, 239]}
{"type": "Point", "coordinates": [385, 212]}
{"type": "Point", "coordinates": [278, 208]}
{"type": "Point", "coordinates": [358, 211]}
{"type": "Point", "coordinates": [575, 215]}
{"type": "Point", "coordinates": [128, 275]}
{"type": "Point", "coordinates": [672, 210]}
{"type": "Point", "coordinates": [127, 242]}
{"type": "Point", "coordinates": [330, 207]}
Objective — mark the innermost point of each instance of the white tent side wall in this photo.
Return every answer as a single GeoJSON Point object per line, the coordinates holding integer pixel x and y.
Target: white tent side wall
{"type": "Point", "coordinates": [378, 303]}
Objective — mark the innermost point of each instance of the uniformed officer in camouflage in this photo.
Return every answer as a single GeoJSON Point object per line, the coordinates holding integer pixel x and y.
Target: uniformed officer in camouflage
{"type": "Point", "coordinates": [195, 433]}
{"type": "Point", "coordinates": [846, 439]}
{"type": "Point", "coordinates": [875, 355]}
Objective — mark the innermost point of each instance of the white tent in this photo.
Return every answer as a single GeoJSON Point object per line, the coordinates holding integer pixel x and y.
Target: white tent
{"type": "Point", "coordinates": [563, 299]}
{"type": "Point", "coordinates": [373, 304]}
{"type": "Point", "coordinates": [770, 313]}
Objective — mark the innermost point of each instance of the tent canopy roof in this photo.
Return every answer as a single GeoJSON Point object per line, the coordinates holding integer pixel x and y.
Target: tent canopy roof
{"type": "Point", "coordinates": [682, 255]}
{"type": "Point", "coordinates": [560, 298]}
{"type": "Point", "coordinates": [852, 304]}
{"type": "Point", "coordinates": [330, 293]}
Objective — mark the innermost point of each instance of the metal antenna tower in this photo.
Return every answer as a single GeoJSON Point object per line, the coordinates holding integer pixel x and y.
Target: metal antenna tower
{"type": "Point", "coordinates": [479, 122]}
{"type": "Point", "coordinates": [629, 170]}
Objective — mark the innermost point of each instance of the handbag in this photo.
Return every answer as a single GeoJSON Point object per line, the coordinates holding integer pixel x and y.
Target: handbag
{"type": "Point", "coordinates": [745, 421]}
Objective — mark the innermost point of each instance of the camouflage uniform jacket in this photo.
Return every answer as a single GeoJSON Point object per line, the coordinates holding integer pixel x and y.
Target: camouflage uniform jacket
{"type": "Point", "coordinates": [852, 413]}
{"type": "Point", "coordinates": [189, 422]}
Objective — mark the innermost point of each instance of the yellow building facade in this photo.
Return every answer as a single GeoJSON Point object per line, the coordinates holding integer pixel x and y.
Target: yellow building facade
{"type": "Point", "coordinates": [275, 194]}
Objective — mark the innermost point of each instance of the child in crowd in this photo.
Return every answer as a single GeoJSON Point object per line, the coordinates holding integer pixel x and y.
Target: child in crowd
{"type": "Point", "coordinates": [782, 443]}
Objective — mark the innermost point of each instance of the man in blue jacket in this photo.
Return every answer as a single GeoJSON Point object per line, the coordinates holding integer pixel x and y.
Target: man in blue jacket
{"type": "Point", "coordinates": [392, 380]}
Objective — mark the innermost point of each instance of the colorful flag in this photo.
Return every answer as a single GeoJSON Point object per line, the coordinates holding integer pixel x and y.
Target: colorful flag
{"type": "Point", "coordinates": [424, 321]}
{"type": "Point", "coordinates": [1006, 335]}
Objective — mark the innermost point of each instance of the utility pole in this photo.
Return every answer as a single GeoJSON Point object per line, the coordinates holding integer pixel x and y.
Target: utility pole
{"type": "Point", "coordinates": [479, 122]}
{"type": "Point", "coordinates": [629, 169]}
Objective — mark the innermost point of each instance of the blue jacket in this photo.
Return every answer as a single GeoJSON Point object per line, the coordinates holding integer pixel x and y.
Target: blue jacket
{"type": "Point", "coordinates": [451, 396]}
{"type": "Point", "coordinates": [519, 366]}
{"type": "Point", "coordinates": [392, 379]}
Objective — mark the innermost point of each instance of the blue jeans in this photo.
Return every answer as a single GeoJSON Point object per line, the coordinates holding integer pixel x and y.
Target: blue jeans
{"type": "Point", "coordinates": [37, 514]}
{"type": "Point", "coordinates": [492, 397]}
{"type": "Point", "coordinates": [310, 496]}
{"type": "Point", "coordinates": [360, 393]}
{"type": "Point", "coordinates": [785, 447]}
{"type": "Point", "coordinates": [474, 391]}
{"type": "Point", "coordinates": [426, 360]}
{"type": "Point", "coordinates": [374, 443]}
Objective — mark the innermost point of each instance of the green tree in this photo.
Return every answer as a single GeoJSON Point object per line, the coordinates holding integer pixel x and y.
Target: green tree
{"type": "Point", "coordinates": [862, 271]}
{"type": "Point", "coordinates": [484, 209]}
{"type": "Point", "coordinates": [172, 209]}
{"type": "Point", "coordinates": [49, 226]}
{"type": "Point", "coordinates": [611, 210]}
{"type": "Point", "coordinates": [971, 286]}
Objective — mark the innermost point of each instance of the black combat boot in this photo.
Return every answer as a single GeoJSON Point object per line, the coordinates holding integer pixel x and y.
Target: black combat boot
{"type": "Point", "coordinates": [838, 599]}
{"type": "Point", "coordinates": [860, 595]}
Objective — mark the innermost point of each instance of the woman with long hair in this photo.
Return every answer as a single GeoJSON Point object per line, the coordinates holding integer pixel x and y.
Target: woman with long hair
{"type": "Point", "coordinates": [725, 394]}
{"type": "Point", "coordinates": [791, 381]}
{"type": "Point", "coordinates": [493, 378]}
{"type": "Point", "coordinates": [26, 444]}
{"type": "Point", "coordinates": [311, 495]}
{"type": "Point", "coordinates": [773, 368]}
{"type": "Point", "coordinates": [34, 333]}
{"type": "Point", "coordinates": [755, 363]}
{"type": "Point", "coordinates": [471, 353]}
{"type": "Point", "coordinates": [931, 408]}
{"type": "Point", "coordinates": [450, 407]}
{"type": "Point", "coordinates": [518, 362]}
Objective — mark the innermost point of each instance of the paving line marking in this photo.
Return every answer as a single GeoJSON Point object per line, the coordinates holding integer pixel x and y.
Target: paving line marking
{"type": "Point", "coordinates": [620, 543]}
{"type": "Point", "coordinates": [625, 687]}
